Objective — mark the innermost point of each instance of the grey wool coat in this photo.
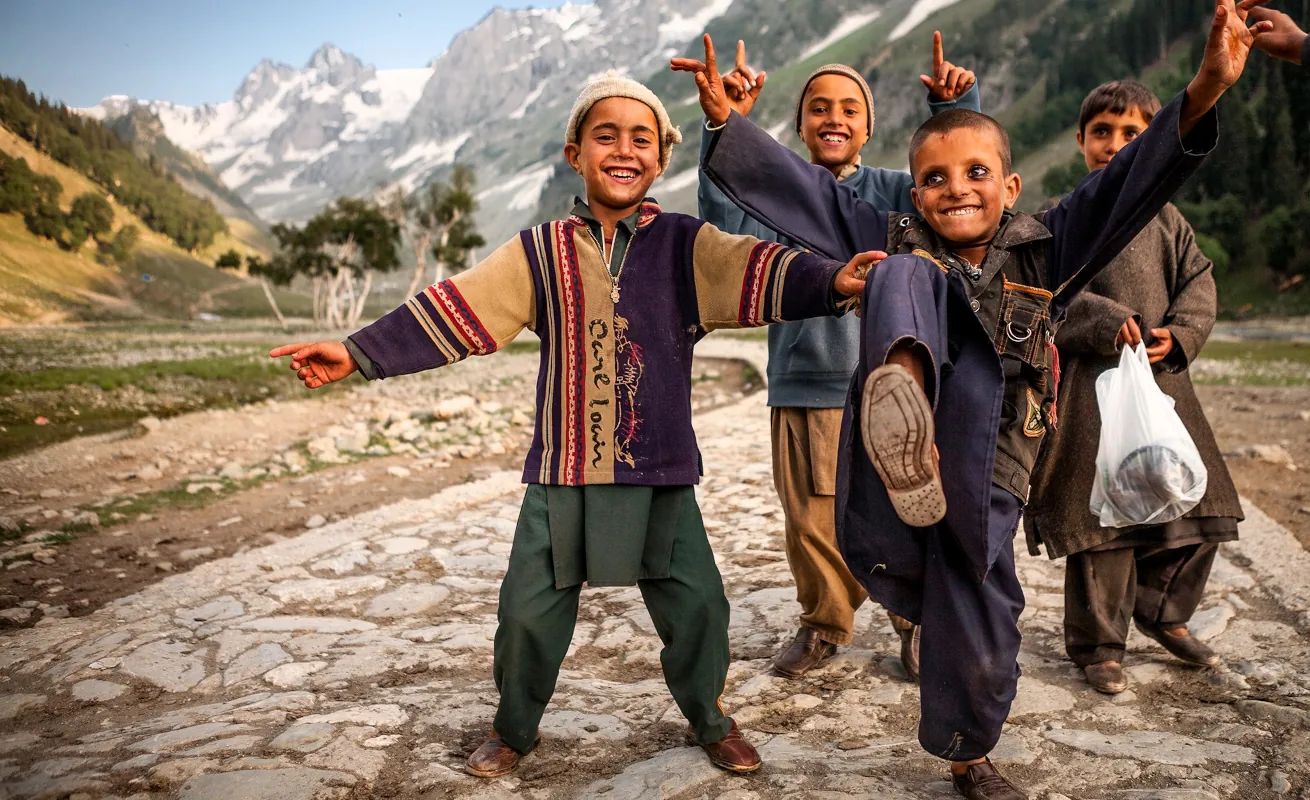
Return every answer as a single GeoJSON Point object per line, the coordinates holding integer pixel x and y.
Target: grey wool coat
{"type": "Point", "coordinates": [1164, 281]}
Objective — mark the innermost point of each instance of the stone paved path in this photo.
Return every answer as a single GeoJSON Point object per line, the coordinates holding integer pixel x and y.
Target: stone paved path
{"type": "Point", "coordinates": [355, 661]}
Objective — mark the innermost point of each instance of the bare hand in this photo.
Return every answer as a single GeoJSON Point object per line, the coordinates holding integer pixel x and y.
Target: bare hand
{"type": "Point", "coordinates": [1129, 334]}
{"type": "Point", "coordinates": [850, 281]}
{"type": "Point", "coordinates": [1226, 51]}
{"type": "Point", "coordinates": [1285, 40]}
{"type": "Point", "coordinates": [714, 95]}
{"type": "Point", "coordinates": [1162, 345]}
{"type": "Point", "coordinates": [742, 84]}
{"type": "Point", "coordinates": [948, 82]}
{"type": "Point", "coordinates": [318, 363]}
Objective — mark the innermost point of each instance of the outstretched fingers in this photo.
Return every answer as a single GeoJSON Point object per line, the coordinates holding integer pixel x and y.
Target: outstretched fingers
{"type": "Point", "coordinates": [742, 67]}
{"type": "Point", "coordinates": [287, 349]}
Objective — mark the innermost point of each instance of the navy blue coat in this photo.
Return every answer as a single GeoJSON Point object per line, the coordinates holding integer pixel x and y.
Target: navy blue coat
{"type": "Point", "coordinates": [1075, 240]}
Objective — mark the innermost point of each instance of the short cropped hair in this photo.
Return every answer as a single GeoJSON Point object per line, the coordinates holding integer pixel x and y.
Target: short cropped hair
{"type": "Point", "coordinates": [956, 119]}
{"type": "Point", "coordinates": [1117, 97]}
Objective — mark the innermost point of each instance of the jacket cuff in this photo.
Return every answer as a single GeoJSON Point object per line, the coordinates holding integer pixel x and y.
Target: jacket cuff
{"type": "Point", "coordinates": [1305, 53]}
{"type": "Point", "coordinates": [1205, 136]}
{"type": "Point", "coordinates": [1186, 349]}
{"type": "Point", "coordinates": [366, 366]}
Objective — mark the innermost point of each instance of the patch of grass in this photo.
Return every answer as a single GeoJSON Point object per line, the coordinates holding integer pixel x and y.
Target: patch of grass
{"type": "Point", "coordinates": [9, 536]}
{"type": "Point", "coordinates": [1258, 351]}
{"type": "Point", "coordinates": [70, 528]}
{"type": "Point", "coordinates": [251, 368]}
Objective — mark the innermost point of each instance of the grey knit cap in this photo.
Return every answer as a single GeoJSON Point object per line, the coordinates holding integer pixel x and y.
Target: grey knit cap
{"type": "Point", "coordinates": [836, 69]}
{"type": "Point", "coordinates": [612, 84]}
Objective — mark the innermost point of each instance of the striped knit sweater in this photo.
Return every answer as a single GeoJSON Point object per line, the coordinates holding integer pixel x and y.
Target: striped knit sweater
{"type": "Point", "coordinates": [614, 385]}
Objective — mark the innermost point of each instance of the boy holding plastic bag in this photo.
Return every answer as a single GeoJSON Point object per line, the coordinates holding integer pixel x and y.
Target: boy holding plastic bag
{"type": "Point", "coordinates": [1158, 297]}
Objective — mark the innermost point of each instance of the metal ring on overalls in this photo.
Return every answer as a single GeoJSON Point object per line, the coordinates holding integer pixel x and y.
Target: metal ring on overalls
{"type": "Point", "coordinates": [1009, 331]}
{"type": "Point", "coordinates": [905, 222]}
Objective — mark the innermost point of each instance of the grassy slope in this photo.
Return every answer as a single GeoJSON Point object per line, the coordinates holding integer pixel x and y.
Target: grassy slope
{"type": "Point", "coordinates": [39, 282]}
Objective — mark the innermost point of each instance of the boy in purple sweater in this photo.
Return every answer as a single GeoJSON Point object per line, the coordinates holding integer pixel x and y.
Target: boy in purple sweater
{"type": "Point", "coordinates": [618, 293]}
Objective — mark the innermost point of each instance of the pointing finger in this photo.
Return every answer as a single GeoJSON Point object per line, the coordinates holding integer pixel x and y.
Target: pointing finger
{"type": "Point", "coordinates": [742, 66]}
{"type": "Point", "coordinates": [938, 53]}
{"type": "Point", "coordinates": [711, 64]}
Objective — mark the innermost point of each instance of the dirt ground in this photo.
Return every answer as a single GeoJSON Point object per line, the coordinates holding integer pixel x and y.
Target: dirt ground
{"type": "Point", "coordinates": [80, 567]}
{"type": "Point", "coordinates": [1259, 415]}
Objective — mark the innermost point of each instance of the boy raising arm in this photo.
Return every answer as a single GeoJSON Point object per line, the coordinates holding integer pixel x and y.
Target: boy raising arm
{"type": "Point", "coordinates": [618, 294]}
{"type": "Point", "coordinates": [1161, 290]}
{"type": "Point", "coordinates": [811, 361]}
{"type": "Point", "coordinates": [957, 352]}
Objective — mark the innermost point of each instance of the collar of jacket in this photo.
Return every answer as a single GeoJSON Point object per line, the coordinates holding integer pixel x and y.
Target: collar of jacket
{"type": "Point", "coordinates": [849, 170]}
{"type": "Point", "coordinates": [1016, 229]}
{"type": "Point", "coordinates": [645, 214]}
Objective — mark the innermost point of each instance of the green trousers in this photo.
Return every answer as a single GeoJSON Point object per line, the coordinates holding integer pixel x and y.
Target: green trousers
{"type": "Point", "coordinates": [536, 622]}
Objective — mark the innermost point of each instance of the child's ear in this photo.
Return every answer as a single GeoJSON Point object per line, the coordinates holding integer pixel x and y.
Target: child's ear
{"type": "Point", "coordinates": [918, 201]}
{"type": "Point", "coordinates": [1013, 186]}
{"type": "Point", "coordinates": [1079, 137]}
{"type": "Point", "coordinates": [573, 155]}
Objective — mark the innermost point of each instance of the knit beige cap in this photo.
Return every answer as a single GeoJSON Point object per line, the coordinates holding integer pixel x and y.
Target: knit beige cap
{"type": "Point", "coordinates": [612, 84]}
{"type": "Point", "coordinates": [836, 69]}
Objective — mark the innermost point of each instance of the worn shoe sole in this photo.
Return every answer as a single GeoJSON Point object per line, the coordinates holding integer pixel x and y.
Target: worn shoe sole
{"type": "Point", "coordinates": [1176, 651]}
{"type": "Point", "coordinates": [897, 427]}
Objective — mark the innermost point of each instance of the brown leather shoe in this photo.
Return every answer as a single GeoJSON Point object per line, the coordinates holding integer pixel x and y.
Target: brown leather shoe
{"type": "Point", "coordinates": [495, 758]}
{"type": "Point", "coordinates": [803, 654]}
{"type": "Point", "coordinates": [983, 782]}
{"type": "Point", "coordinates": [1186, 647]}
{"type": "Point", "coordinates": [733, 753]}
{"type": "Point", "coordinates": [1106, 677]}
{"type": "Point", "coordinates": [909, 633]}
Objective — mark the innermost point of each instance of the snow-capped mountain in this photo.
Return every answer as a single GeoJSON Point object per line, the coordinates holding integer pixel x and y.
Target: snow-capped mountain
{"type": "Point", "coordinates": [291, 140]}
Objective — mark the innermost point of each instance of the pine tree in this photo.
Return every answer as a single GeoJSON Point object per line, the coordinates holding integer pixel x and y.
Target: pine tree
{"type": "Point", "coordinates": [1282, 181]}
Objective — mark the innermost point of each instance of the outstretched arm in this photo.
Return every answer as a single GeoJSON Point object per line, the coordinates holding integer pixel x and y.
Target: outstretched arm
{"type": "Point", "coordinates": [474, 313]}
{"type": "Point", "coordinates": [774, 185]}
{"type": "Point", "coordinates": [1097, 220]}
{"type": "Point", "coordinates": [741, 281]}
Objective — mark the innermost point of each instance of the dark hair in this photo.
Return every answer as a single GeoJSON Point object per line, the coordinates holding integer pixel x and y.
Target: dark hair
{"type": "Point", "coordinates": [956, 119]}
{"type": "Point", "coordinates": [1117, 97]}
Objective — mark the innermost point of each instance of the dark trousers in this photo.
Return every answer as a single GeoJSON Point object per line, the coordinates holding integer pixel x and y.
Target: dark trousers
{"type": "Point", "coordinates": [969, 650]}
{"type": "Point", "coordinates": [689, 609]}
{"type": "Point", "coordinates": [1159, 586]}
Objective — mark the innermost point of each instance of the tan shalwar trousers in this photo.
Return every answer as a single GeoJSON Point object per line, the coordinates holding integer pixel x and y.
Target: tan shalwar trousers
{"type": "Point", "coordinates": [805, 442]}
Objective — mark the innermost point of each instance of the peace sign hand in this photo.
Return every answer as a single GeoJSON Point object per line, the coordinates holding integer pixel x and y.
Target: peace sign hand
{"type": "Point", "coordinates": [948, 82]}
{"type": "Point", "coordinates": [715, 98]}
{"type": "Point", "coordinates": [742, 84]}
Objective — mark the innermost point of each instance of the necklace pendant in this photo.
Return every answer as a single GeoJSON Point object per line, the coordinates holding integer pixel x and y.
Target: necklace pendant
{"type": "Point", "coordinates": [614, 294]}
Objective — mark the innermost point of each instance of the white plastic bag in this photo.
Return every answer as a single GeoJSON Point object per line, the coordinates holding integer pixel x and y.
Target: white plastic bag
{"type": "Point", "coordinates": [1148, 470]}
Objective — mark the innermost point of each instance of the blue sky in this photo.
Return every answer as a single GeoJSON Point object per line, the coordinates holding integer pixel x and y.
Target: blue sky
{"type": "Point", "coordinates": [197, 51]}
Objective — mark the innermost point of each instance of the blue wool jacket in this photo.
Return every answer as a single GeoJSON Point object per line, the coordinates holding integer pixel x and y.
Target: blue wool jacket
{"type": "Point", "coordinates": [811, 361]}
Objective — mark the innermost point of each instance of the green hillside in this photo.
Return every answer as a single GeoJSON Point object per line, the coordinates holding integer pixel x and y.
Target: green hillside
{"type": "Point", "coordinates": [42, 282]}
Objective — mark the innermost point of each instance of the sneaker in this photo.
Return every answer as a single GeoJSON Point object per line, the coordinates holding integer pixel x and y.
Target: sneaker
{"type": "Point", "coordinates": [897, 426]}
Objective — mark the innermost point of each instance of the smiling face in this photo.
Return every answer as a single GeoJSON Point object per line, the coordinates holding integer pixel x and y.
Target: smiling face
{"type": "Point", "coordinates": [961, 188]}
{"type": "Point", "coordinates": [834, 121]}
{"type": "Point", "coordinates": [617, 154]}
{"type": "Point", "coordinates": [1107, 133]}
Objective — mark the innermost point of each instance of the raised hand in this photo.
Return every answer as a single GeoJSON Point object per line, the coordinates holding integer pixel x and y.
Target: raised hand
{"type": "Point", "coordinates": [1226, 51]}
{"type": "Point", "coordinates": [742, 84]}
{"type": "Point", "coordinates": [1284, 40]}
{"type": "Point", "coordinates": [714, 99]}
{"type": "Point", "coordinates": [850, 281]}
{"type": "Point", "coordinates": [318, 363]}
{"type": "Point", "coordinates": [947, 82]}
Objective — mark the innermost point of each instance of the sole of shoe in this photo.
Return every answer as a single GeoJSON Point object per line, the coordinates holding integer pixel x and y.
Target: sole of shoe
{"type": "Point", "coordinates": [1108, 688]}
{"type": "Point", "coordinates": [1212, 661]}
{"type": "Point", "coordinates": [897, 427]}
